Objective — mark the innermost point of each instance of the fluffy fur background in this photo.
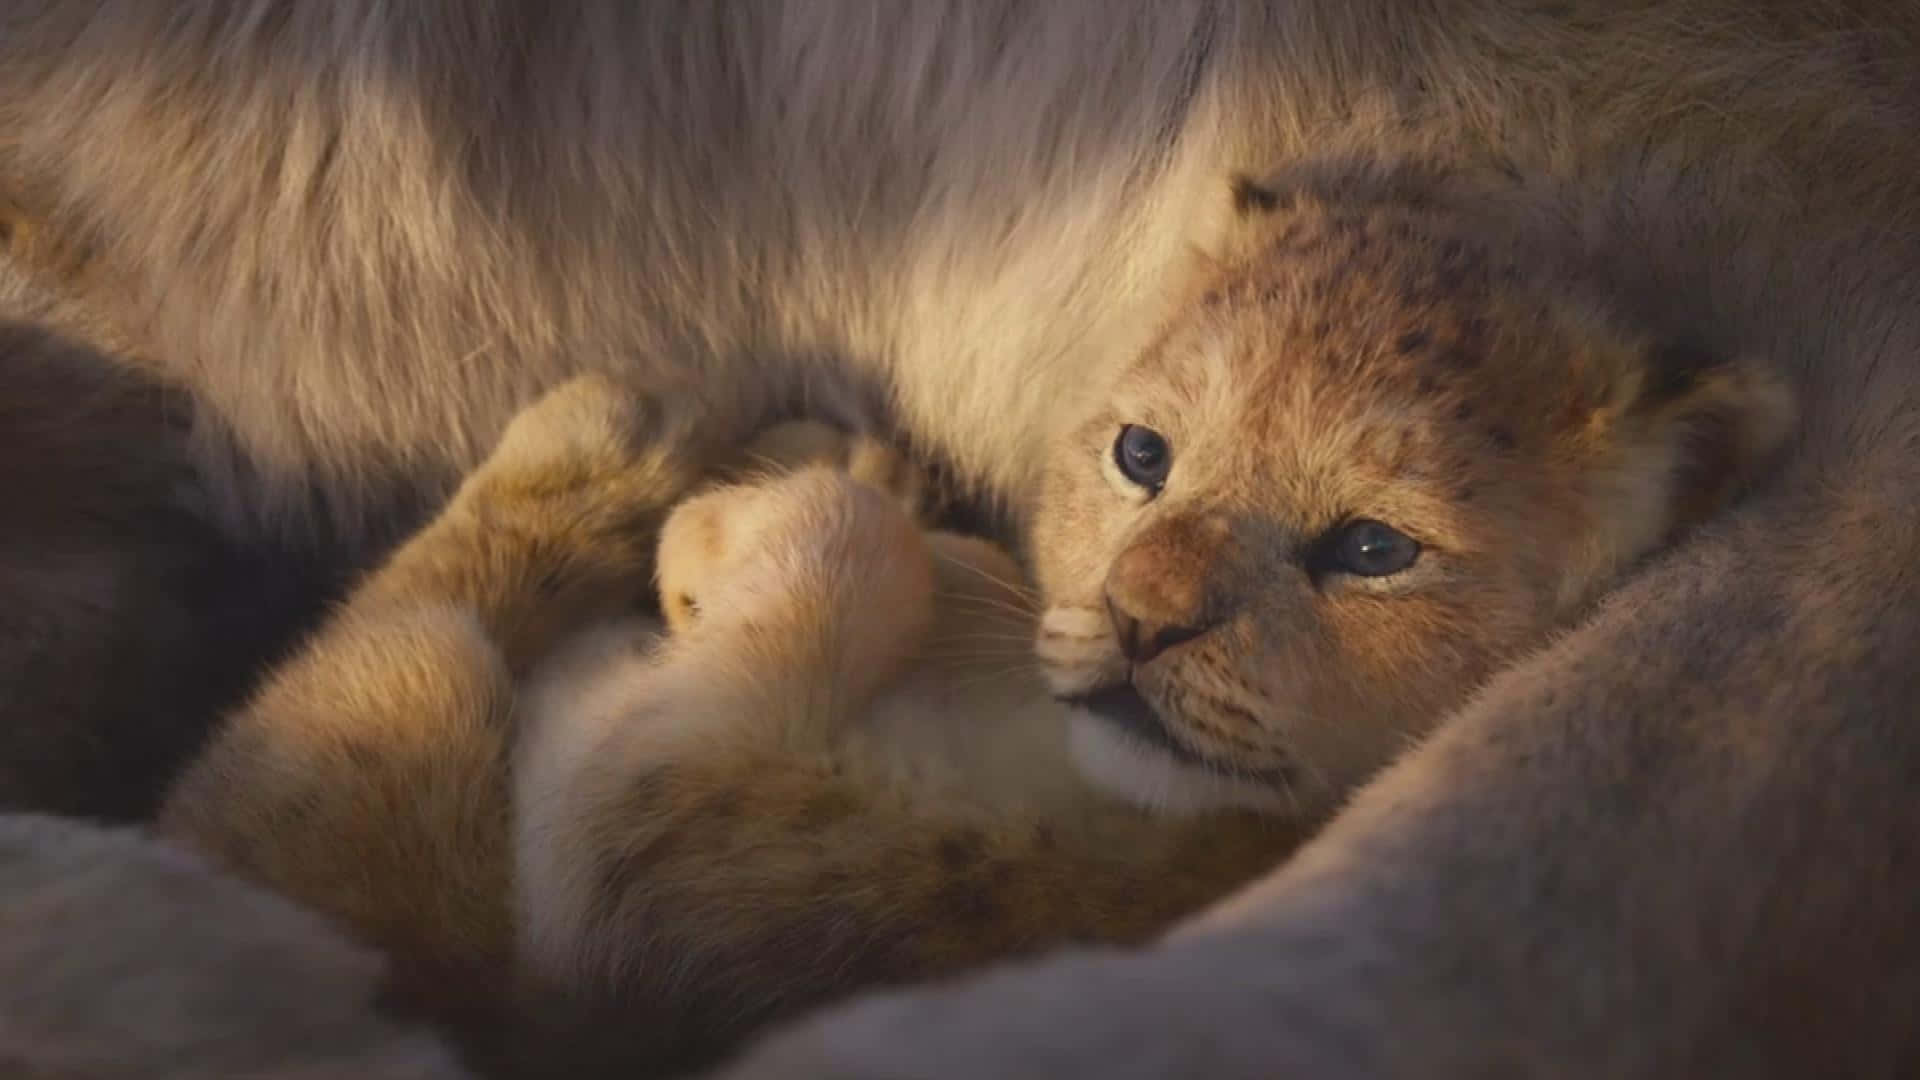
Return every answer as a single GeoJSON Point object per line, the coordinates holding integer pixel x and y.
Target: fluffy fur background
{"type": "Point", "coordinates": [359, 235]}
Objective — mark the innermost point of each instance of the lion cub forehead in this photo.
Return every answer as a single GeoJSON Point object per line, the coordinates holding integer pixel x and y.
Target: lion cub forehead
{"type": "Point", "coordinates": [1371, 313]}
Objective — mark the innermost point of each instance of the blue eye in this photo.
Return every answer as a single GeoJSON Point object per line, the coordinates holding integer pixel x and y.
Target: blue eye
{"type": "Point", "coordinates": [1143, 456]}
{"type": "Point", "coordinates": [1369, 548]}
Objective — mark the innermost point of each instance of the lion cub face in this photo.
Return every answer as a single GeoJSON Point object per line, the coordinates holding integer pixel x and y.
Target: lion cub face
{"type": "Point", "coordinates": [1362, 470]}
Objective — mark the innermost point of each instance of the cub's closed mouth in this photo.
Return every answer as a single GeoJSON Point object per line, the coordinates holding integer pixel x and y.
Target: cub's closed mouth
{"type": "Point", "coordinates": [1123, 707]}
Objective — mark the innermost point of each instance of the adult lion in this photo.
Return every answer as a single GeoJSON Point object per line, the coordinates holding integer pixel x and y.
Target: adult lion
{"type": "Point", "coordinates": [1680, 842]}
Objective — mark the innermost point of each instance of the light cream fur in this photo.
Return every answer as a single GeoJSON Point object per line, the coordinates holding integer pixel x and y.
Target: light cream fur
{"type": "Point", "coordinates": [365, 234]}
{"type": "Point", "coordinates": [126, 958]}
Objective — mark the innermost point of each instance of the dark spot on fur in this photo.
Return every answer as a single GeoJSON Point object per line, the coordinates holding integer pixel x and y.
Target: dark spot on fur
{"type": "Point", "coordinates": [720, 809]}
{"type": "Point", "coordinates": [1458, 358]}
{"type": "Point", "coordinates": [835, 881]}
{"type": "Point", "coordinates": [1412, 340]}
{"type": "Point", "coordinates": [1501, 438]}
{"type": "Point", "coordinates": [1243, 717]}
{"type": "Point", "coordinates": [610, 886]}
{"type": "Point", "coordinates": [969, 902]}
{"type": "Point", "coordinates": [1708, 467]}
{"type": "Point", "coordinates": [1674, 368]}
{"type": "Point", "coordinates": [620, 871]}
{"type": "Point", "coordinates": [1463, 413]}
{"type": "Point", "coordinates": [960, 850]}
{"type": "Point", "coordinates": [646, 792]}
{"type": "Point", "coordinates": [365, 756]}
{"type": "Point", "coordinates": [1249, 197]}
{"type": "Point", "coordinates": [824, 809]}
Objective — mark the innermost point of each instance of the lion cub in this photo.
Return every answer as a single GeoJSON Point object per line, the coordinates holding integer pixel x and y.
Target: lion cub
{"type": "Point", "coordinates": [1389, 441]}
{"type": "Point", "coordinates": [1375, 456]}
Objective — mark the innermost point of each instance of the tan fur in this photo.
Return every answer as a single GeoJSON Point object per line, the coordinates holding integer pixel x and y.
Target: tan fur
{"type": "Point", "coordinates": [364, 235]}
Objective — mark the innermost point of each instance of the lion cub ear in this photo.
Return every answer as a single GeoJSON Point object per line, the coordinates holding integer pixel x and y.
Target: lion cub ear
{"type": "Point", "coordinates": [1720, 421]}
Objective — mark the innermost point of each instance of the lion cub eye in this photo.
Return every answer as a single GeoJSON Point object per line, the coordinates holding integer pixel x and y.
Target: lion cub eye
{"type": "Point", "coordinates": [1143, 456]}
{"type": "Point", "coordinates": [1370, 548]}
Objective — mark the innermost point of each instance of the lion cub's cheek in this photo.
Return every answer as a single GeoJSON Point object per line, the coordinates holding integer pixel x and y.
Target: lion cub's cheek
{"type": "Point", "coordinates": [1077, 650]}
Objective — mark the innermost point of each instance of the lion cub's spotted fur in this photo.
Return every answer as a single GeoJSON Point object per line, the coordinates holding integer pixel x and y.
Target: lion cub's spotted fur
{"type": "Point", "coordinates": [838, 768]}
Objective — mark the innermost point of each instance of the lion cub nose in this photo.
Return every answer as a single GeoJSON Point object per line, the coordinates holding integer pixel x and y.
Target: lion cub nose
{"type": "Point", "coordinates": [1158, 593]}
{"type": "Point", "coordinates": [1141, 641]}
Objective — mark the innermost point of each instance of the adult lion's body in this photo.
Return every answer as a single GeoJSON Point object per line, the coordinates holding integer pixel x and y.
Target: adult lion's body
{"type": "Point", "coordinates": [364, 233]}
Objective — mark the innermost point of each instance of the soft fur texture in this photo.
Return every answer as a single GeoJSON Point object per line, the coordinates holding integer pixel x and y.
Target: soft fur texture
{"type": "Point", "coordinates": [836, 774]}
{"type": "Point", "coordinates": [129, 959]}
{"type": "Point", "coordinates": [126, 621]}
{"type": "Point", "coordinates": [843, 769]}
{"type": "Point", "coordinates": [1385, 350]}
{"type": "Point", "coordinates": [1679, 842]}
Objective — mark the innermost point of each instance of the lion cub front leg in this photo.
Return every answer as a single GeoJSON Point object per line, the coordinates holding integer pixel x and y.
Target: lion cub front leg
{"type": "Point", "coordinates": [793, 600]}
{"type": "Point", "coordinates": [557, 528]}
{"type": "Point", "coordinates": [368, 778]}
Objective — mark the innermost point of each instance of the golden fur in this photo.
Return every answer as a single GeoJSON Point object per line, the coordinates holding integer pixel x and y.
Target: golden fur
{"type": "Point", "coordinates": [1383, 352]}
{"type": "Point", "coordinates": [362, 236]}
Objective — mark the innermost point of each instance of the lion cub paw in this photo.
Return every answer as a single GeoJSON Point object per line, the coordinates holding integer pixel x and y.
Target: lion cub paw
{"type": "Point", "coordinates": [591, 428]}
{"type": "Point", "coordinates": [592, 453]}
{"type": "Point", "coordinates": [796, 444]}
{"type": "Point", "coordinates": [577, 488]}
{"type": "Point", "coordinates": [814, 551]}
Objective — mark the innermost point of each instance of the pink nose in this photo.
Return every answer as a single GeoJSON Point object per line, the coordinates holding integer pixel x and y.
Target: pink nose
{"type": "Point", "coordinates": [1164, 589]}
